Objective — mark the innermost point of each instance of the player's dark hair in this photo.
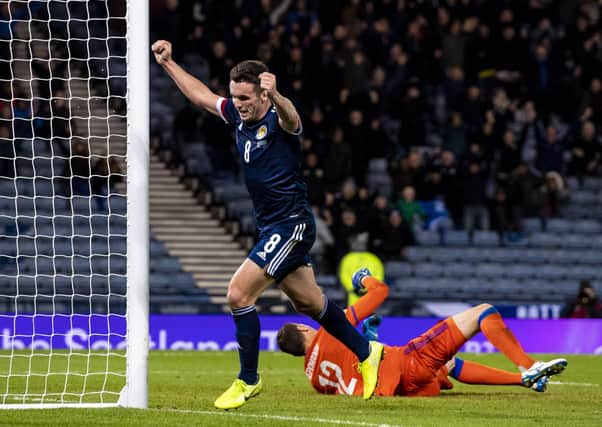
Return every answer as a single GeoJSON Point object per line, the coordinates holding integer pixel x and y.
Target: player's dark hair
{"type": "Point", "coordinates": [291, 340]}
{"type": "Point", "coordinates": [247, 71]}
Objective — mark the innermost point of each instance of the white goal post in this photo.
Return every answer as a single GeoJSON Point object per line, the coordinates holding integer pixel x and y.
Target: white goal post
{"type": "Point", "coordinates": [74, 203]}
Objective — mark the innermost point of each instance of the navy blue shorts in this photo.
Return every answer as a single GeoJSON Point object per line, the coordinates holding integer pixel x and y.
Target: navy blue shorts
{"type": "Point", "coordinates": [284, 247]}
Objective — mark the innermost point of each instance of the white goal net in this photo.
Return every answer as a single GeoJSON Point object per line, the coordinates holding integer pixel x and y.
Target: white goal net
{"type": "Point", "coordinates": [64, 175]}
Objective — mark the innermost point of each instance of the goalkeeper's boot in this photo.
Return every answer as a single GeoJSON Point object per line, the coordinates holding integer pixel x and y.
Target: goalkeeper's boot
{"type": "Point", "coordinates": [541, 384]}
{"type": "Point", "coordinates": [238, 394]}
{"type": "Point", "coordinates": [369, 368]}
{"type": "Point", "coordinates": [540, 369]}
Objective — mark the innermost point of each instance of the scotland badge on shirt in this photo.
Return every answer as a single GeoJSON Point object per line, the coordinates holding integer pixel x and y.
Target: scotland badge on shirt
{"type": "Point", "coordinates": [261, 132]}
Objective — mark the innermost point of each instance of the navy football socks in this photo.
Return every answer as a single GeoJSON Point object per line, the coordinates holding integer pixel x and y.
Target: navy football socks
{"type": "Point", "coordinates": [247, 335]}
{"type": "Point", "coordinates": [333, 319]}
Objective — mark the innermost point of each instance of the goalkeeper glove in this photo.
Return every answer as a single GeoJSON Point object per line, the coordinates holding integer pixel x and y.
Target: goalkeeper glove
{"type": "Point", "coordinates": [370, 327]}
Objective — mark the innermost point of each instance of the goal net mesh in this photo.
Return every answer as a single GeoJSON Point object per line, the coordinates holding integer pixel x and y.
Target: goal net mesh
{"type": "Point", "coordinates": [62, 201]}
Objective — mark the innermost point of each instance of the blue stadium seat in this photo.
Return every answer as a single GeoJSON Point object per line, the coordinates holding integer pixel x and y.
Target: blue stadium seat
{"type": "Point", "coordinates": [586, 226]}
{"type": "Point", "coordinates": [580, 241]}
{"type": "Point", "coordinates": [228, 192]}
{"type": "Point", "coordinates": [459, 269]}
{"type": "Point", "coordinates": [378, 165]}
{"type": "Point", "coordinates": [485, 238]}
{"type": "Point", "coordinates": [456, 238]}
{"type": "Point", "coordinates": [429, 269]}
{"type": "Point", "coordinates": [520, 271]}
{"type": "Point", "coordinates": [428, 238]}
{"type": "Point", "coordinates": [551, 272]}
{"type": "Point", "coordinates": [489, 270]}
{"type": "Point", "coordinates": [166, 265]}
{"type": "Point", "coordinates": [416, 253]}
{"type": "Point", "coordinates": [397, 270]}
{"type": "Point", "coordinates": [559, 225]}
{"type": "Point", "coordinates": [584, 197]}
{"type": "Point", "coordinates": [157, 248]}
{"type": "Point", "coordinates": [379, 183]}
{"type": "Point", "coordinates": [532, 225]}
{"type": "Point", "coordinates": [239, 208]}
{"type": "Point", "coordinates": [545, 240]}
{"type": "Point", "coordinates": [247, 224]}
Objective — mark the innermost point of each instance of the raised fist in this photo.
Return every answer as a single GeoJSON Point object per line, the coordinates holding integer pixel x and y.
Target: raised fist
{"type": "Point", "coordinates": [162, 51]}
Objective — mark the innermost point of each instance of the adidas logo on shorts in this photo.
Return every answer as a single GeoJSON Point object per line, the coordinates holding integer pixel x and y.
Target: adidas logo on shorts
{"type": "Point", "coordinates": [261, 255]}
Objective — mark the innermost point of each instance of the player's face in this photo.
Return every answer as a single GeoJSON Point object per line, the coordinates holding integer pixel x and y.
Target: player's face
{"type": "Point", "coordinates": [248, 101]}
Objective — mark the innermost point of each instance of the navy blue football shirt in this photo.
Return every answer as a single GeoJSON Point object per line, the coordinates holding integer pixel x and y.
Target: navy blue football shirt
{"type": "Point", "coordinates": [271, 159]}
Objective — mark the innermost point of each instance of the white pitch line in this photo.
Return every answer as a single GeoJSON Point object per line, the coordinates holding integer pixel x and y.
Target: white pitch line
{"type": "Point", "coordinates": [576, 384]}
{"type": "Point", "coordinates": [285, 418]}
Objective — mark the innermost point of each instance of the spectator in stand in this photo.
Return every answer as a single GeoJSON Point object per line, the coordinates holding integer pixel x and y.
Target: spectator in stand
{"type": "Point", "coordinates": [594, 101]}
{"type": "Point", "coordinates": [410, 210]}
{"type": "Point", "coordinates": [586, 152]}
{"type": "Point", "coordinates": [338, 165]}
{"type": "Point", "coordinates": [324, 244]}
{"type": "Point", "coordinates": [377, 221]}
{"type": "Point", "coordinates": [554, 195]}
{"type": "Point", "coordinates": [410, 172]}
{"type": "Point", "coordinates": [473, 112]}
{"type": "Point", "coordinates": [509, 153]}
{"type": "Point", "coordinates": [356, 133]}
{"type": "Point", "coordinates": [585, 305]}
{"type": "Point", "coordinates": [412, 115]}
{"type": "Point", "coordinates": [550, 149]}
{"type": "Point", "coordinates": [475, 198]}
{"type": "Point", "coordinates": [314, 177]}
{"type": "Point", "coordinates": [523, 191]}
{"type": "Point", "coordinates": [396, 237]}
{"type": "Point", "coordinates": [451, 187]}
{"type": "Point", "coordinates": [455, 135]}
{"type": "Point", "coordinates": [349, 234]}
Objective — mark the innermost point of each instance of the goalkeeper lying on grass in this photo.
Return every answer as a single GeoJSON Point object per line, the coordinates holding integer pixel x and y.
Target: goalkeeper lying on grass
{"type": "Point", "coordinates": [422, 366]}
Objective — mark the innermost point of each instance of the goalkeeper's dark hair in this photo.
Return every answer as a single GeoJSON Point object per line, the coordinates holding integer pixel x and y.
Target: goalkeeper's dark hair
{"type": "Point", "coordinates": [248, 71]}
{"type": "Point", "coordinates": [291, 340]}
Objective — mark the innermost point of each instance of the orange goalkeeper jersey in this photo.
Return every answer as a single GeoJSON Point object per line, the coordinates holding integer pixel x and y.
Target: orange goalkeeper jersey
{"type": "Point", "coordinates": [332, 368]}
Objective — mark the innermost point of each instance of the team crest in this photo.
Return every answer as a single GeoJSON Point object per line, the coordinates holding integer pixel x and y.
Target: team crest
{"type": "Point", "coordinates": [261, 132]}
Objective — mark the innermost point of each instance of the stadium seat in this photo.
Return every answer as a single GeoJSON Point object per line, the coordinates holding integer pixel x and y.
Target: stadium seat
{"type": "Point", "coordinates": [520, 271]}
{"type": "Point", "coordinates": [397, 270]}
{"type": "Point", "coordinates": [429, 269]}
{"type": "Point", "coordinates": [558, 225]}
{"type": "Point", "coordinates": [379, 183]}
{"type": "Point", "coordinates": [485, 238]}
{"type": "Point", "coordinates": [580, 241]}
{"type": "Point", "coordinates": [489, 270]}
{"type": "Point", "coordinates": [586, 226]}
{"type": "Point", "coordinates": [428, 238]}
{"type": "Point", "coordinates": [228, 192]}
{"type": "Point", "coordinates": [456, 238]}
{"type": "Point", "coordinates": [239, 208]}
{"type": "Point", "coordinates": [532, 225]}
{"type": "Point", "coordinates": [166, 265]}
{"type": "Point", "coordinates": [459, 269]}
{"type": "Point", "coordinates": [545, 240]}
{"type": "Point", "coordinates": [377, 165]}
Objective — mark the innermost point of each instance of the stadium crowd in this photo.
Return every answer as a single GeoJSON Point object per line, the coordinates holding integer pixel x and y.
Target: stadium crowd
{"type": "Point", "coordinates": [40, 108]}
{"type": "Point", "coordinates": [480, 108]}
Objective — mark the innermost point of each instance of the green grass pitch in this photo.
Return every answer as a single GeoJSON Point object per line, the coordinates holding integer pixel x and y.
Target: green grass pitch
{"type": "Point", "coordinates": [183, 385]}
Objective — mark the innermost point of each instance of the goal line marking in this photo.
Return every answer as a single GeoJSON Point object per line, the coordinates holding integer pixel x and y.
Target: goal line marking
{"type": "Point", "coordinates": [285, 418]}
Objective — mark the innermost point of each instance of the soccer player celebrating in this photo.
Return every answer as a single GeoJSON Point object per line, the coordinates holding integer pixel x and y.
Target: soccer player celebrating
{"type": "Point", "coordinates": [267, 129]}
{"type": "Point", "coordinates": [422, 366]}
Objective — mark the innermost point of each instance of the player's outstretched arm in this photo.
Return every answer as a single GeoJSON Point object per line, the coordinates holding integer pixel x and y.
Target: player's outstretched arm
{"type": "Point", "coordinates": [194, 89]}
{"type": "Point", "coordinates": [288, 118]}
{"type": "Point", "coordinates": [374, 294]}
